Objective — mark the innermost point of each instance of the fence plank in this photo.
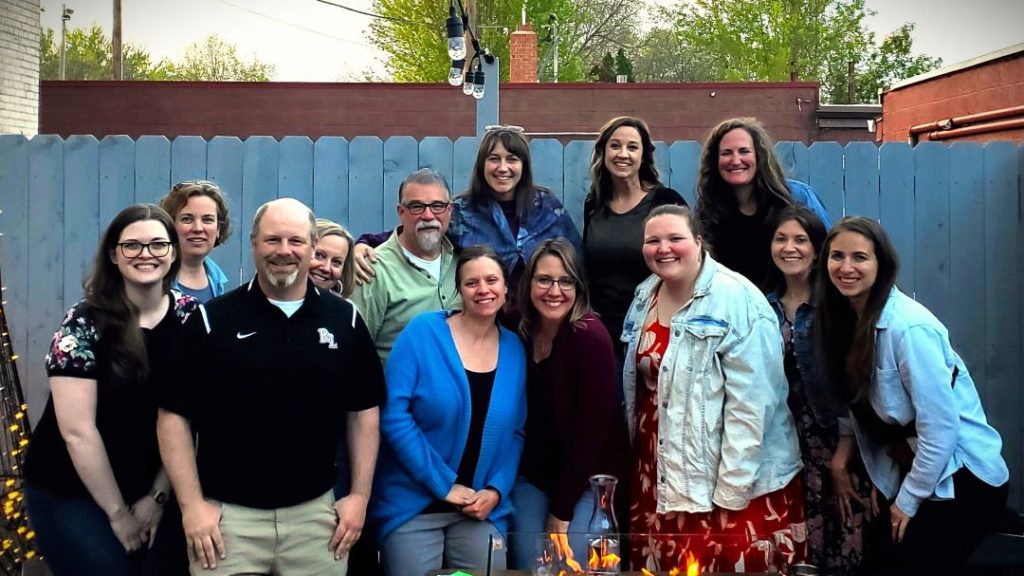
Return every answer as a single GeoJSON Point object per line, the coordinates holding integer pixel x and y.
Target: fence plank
{"type": "Point", "coordinates": [152, 168]}
{"type": "Point", "coordinates": [330, 179]}
{"type": "Point", "coordinates": [366, 184]}
{"type": "Point", "coordinates": [188, 159]}
{"type": "Point", "coordinates": [682, 175]}
{"type": "Point", "coordinates": [295, 172]}
{"type": "Point", "coordinates": [931, 227]}
{"type": "Point", "coordinates": [225, 158]}
{"type": "Point", "coordinates": [14, 254]}
{"type": "Point", "coordinates": [81, 210]}
{"type": "Point", "coordinates": [1002, 301]}
{"type": "Point", "coordinates": [966, 320]}
{"type": "Point", "coordinates": [401, 158]}
{"type": "Point", "coordinates": [577, 179]}
{"type": "Point", "coordinates": [462, 162]}
{"type": "Point", "coordinates": [117, 176]}
{"type": "Point", "coordinates": [860, 180]}
{"type": "Point", "coordinates": [547, 155]}
{"type": "Point", "coordinates": [795, 159]}
{"type": "Point", "coordinates": [826, 176]}
{"type": "Point", "coordinates": [436, 153]}
{"type": "Point", "coordinates": [259, 183]}
{"type": "Point", "coordinates": [896, 204]}
{"type": "Point", "coordinates": [663, 158]}
{"type": "Point", "coordinates": [46, 304]}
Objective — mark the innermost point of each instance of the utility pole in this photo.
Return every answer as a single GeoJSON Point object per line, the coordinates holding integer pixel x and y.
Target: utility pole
{"type": "Point", "coordinates": [65, 15]}
{"type": "Point", "coordinates": [115, 43]}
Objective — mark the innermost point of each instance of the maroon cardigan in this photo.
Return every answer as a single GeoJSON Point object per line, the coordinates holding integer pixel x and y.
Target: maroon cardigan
{"type": "Point", "coordinates": [575, 426]}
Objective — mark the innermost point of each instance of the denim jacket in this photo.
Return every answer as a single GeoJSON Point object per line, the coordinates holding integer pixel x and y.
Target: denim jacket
{"type": "Point", "coordinates": [914, 371]}
{"type": "Point", "coordinates": [819, 396]}
{"type": "Point", "coordinates": [725, 432]}
{"type": "Point", "coordinates": [486, 224]}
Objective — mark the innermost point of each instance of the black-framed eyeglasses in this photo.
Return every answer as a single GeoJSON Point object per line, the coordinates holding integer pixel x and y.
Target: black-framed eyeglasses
{"type": "Point", "coordinates": [204, 184]}
{"type": "Point", "coordinates": [546, 282]}
{"type": "Point", "coordinates": [157, 248]}
{"type": "Point", "coordinates": [417, 208]}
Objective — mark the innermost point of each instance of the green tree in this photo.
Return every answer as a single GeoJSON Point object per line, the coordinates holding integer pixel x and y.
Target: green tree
{"type": "Point", "coordinates": [604, 71]}
{"type": "Point", "coordinates": [623, 66]}
{"type": "Point", "coordinates": [662, 56]}
{"type": "Point", "coordinates": [892, 62]}
{"type": "Point", "coordinates": [88, 56]}
{"type": "Point", "coordinates": [213, 59]}
{"type": "Point", "coordinates": [777, 40]}
{"type": "Point", "coordinates": [412, 34]}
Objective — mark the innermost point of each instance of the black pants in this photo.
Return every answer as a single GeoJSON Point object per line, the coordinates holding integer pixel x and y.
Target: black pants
{"type": "Point", "coordinates": [942, 535]}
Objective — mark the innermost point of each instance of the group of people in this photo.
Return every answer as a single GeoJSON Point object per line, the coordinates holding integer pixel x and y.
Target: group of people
{"type": "Point", "coordinates": [750, 376]}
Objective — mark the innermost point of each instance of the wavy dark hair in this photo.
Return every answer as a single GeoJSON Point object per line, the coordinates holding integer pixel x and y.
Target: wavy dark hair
{"type": "Point", "coordinates": [846, 339]}
{"type": "Point", "coordinates": [116, 317]}
{"type": "Point", "coordinates": [716, 199]}
{"type": "Point", "coordinates": [816, 232]}
{"type": "Point", "coordinates": [562, 249]}
{"type": "Point", "coordinates": [600, 181]}
{"type": "Point", "coordinates": [513, 141]}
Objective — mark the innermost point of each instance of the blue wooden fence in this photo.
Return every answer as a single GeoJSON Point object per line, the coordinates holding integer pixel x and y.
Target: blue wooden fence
{"type": "Point", "coordinates": [954, 213]}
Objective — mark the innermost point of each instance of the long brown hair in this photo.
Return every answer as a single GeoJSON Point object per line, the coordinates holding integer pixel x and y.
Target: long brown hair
{"type": "Point", "coordinates": [600, 180]}
{"type": "Point", "coordinates": [716, 199]}
{"type": "Point", "coordinates": [846, 339]}
{"type": "Point", "coordinates": [116, 317]}
{"type": "Point", "coordinates": [513, 141]}
{"type": "Point", "coordinates": [562, 249]}
{"type": "Point", "coordinates": [816, 233]}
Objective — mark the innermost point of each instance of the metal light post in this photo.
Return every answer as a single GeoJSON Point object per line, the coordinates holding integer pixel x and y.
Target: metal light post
{"type": "Point", "coordinates": [65, 15]}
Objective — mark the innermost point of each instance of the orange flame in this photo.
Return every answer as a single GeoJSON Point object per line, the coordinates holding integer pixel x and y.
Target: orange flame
{"type": "Point", "coordinates": [692, 565]}
{"type": "Point", "coordinates": [646, 572]}
{"type": "Point", "coordinates": [604, 560]}
{"type": "Point", "coordinates": [564, 551]}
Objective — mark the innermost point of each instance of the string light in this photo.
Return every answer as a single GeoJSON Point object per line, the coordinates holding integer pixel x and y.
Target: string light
{"type": "Point", "coordinates": [17, 539]}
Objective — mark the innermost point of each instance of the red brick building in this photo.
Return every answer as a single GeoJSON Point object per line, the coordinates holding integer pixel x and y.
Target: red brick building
{"type": "Point", "coordinates": [977, 100]}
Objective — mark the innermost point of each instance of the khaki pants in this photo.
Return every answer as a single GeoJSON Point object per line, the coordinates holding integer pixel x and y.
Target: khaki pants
{"type": "Point", "coordinates": [281, 542]}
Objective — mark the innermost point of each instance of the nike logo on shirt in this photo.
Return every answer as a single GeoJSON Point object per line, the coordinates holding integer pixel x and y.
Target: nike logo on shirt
{"type": "Point", "coordinates": [244, 336]}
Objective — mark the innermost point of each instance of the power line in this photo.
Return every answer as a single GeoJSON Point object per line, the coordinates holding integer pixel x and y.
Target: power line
{"type": "Point", "coordinates": [372, 15]}
{"type": "Point", "coordinates": [293, 25]}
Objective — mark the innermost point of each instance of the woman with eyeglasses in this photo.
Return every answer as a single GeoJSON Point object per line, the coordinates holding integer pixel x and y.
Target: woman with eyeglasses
{"type": "Point", "coordinates": [331, 267]}
{"type": "Point", "coordinates": [624, 187]}
{"type": "Point", "coordinates": [740, 188]}
{"type": "Point", "coordinates": [914, 410]}
{"type": "Point", "coordinates": [574, 424]}
{"type": "Point", "coordinates": [502, 208]}
{"type": "Point", "coordinates": [200, 214]}
{"type": "Point", "coordinates": [95, 487]}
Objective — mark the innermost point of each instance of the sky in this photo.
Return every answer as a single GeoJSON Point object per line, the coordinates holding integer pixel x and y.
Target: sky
{"type": "Point", "coordinates": [310, 41]}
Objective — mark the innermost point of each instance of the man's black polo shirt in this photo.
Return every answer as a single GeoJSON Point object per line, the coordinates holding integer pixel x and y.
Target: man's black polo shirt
{"type": "Point", "coordinates": [268, 395]}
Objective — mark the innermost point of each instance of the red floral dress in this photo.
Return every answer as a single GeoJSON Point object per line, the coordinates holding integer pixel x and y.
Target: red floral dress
{"type": "Point", "coordinates": [769, 532]}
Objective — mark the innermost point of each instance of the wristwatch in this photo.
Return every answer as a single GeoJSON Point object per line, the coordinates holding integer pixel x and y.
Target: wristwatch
{"type": "Point", "coordinates": [160, 496]}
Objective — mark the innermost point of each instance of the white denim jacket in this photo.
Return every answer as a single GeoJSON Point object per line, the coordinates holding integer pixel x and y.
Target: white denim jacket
{"type": "Point", "coordinates": [725, 431]}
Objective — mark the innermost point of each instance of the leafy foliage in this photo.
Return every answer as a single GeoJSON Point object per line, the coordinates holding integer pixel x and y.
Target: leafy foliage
{"type": "Point", "coordinates": [412, 34]}
{"type": "Point", "coordinates": [87, 56]}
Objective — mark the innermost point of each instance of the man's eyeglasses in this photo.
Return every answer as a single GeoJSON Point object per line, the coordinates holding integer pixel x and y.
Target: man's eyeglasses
{"type": "Point", "coordinates": [417, 208]}
{"type": "Point", "coordinates": [157, 248]}
{"type": "Point", "coordinates": [546, 282]}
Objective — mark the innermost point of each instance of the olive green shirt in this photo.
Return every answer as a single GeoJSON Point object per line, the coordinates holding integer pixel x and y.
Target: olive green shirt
{"type": "Point", "coordinates": [401, 290]}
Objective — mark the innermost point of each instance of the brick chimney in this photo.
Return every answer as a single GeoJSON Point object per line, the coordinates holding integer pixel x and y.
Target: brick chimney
{"type": "Point", "coordinates": [522, 52]}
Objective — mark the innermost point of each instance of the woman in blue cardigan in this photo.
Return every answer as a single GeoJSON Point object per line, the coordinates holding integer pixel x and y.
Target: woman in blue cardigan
{"type": "Point", "coordinates": [453, 429]}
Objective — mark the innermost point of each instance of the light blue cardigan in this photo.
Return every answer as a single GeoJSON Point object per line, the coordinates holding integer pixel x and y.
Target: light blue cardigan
{"type": "Point", "coordinates": [425, 422]}
{"type": "Point", "coordinates": [214, 275]}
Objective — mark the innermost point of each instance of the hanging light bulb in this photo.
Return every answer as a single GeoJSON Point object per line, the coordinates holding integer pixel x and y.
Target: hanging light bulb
{"type": "Point", "coordinates": [455, 73]}
{"type": "Point", "coordinates": [478, 84]}
{"type": "Point", "coordinates": [468, 84]}
{"type": "Point", "coordinates": [456, 41]}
